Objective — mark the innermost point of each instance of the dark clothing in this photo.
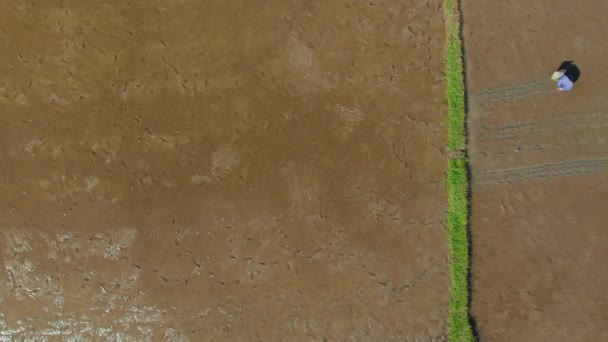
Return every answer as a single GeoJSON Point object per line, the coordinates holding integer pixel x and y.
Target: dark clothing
{"type": "Point", "coordinates": [571, 70]}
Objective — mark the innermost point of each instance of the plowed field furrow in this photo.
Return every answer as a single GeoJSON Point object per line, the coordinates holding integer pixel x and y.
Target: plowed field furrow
{"type": "Point", "coordinates": [531, 128]}
{"type": "Point", "coordinates": [519, 148]}
{"type": "Point", "coordinates": [512, 94]}
{"type": "Point", "coordinates": [537, 172]}
{"type": "Point", "coordinates": [563, 120]}
{"type": "Point", "coordinates": [520, 87]}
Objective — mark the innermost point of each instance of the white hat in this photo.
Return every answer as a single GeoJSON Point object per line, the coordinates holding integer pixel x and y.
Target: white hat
{"type": "Point", "coordinates": [558, 74]}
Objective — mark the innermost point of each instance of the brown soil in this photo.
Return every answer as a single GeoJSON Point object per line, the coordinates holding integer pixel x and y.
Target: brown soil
{"type": "Point", "coordinates": [268, 170]}
{"type": "Point", "coordinates": [540, 170]}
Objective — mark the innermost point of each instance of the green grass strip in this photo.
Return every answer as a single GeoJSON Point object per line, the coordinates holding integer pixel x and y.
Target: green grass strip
{"type": "Point", "coordinates": [460, 329]}
{"type": "Point", "coordinates": [454, 77]}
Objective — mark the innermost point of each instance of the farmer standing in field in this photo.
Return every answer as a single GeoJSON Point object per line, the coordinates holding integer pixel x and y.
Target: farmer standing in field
{"type": "Point", "coordinates": [565, 76]}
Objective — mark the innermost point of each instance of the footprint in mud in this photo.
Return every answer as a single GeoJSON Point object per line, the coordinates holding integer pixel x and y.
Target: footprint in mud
{"type": "Point", "coordinates": [350, 117]}
{"type": "Point", "coordinates": [223, 161]}
{"type": "Point", "coordinates": [305, 62]}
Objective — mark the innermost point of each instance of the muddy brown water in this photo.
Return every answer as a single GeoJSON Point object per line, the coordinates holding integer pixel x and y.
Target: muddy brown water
{"type": "Point", "coordinates": [178, 170]}
{"type": "Point", "coordinates": [540, 170]}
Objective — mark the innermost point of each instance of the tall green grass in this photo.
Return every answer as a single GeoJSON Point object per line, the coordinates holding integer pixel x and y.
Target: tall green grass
{"type": "Point", "coordinates": [454, 77]}
{"type": "Point", "coordinates": [460, 329]}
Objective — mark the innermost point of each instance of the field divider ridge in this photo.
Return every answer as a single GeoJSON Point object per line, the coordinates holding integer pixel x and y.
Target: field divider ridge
{"type": "Point", "coordinates": [460, 327]}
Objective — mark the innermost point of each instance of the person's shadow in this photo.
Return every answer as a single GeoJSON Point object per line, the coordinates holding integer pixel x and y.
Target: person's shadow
{"type": "Point", "coordinates": [572, 71]}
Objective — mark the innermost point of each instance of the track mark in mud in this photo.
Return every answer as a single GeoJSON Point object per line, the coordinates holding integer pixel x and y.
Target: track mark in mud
{"type": "Point", "coordinates": [512, 89]}
{"type": "Point", "coordinates": [530, 128]}
{"type": "Point", "coordinates": [488, 97]}
{"type": "Point", "coordinates": [528, 89]}
{"type": "Point", "coordinates": [537, 172]}
{"type": "Point", "coordinates": [567, 130]}
{"type": "Point", "coordinates": [109, 245]}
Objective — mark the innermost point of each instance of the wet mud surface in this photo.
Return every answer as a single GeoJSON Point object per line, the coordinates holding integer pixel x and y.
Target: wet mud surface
{"type": "Point", "coordinates": [180, 171]}
{"type": "Point", "coordinates": [540, 170]}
